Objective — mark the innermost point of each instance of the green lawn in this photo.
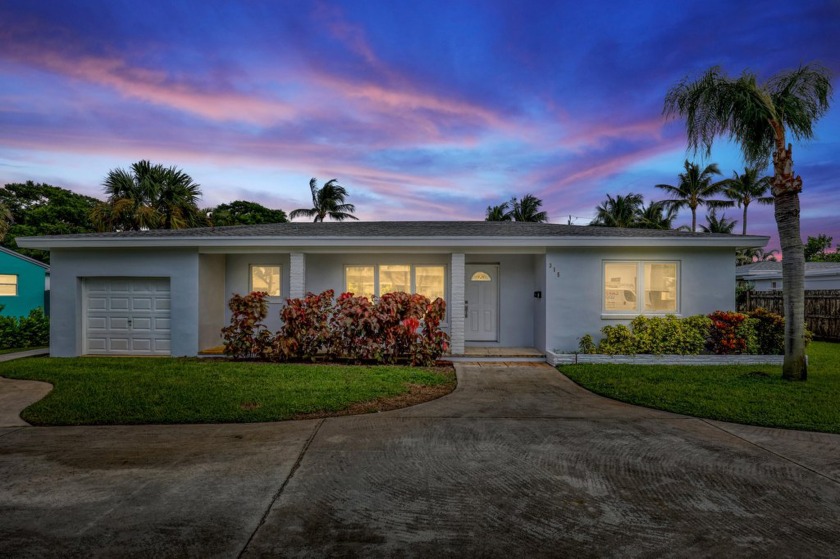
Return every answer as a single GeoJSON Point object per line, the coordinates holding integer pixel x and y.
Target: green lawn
{"type": "Point", "coordinates": [750, 394]}
{"type": "Point", "coordinates": [18, 349]}
{"type": "Point", "coordinates": [90, 391]}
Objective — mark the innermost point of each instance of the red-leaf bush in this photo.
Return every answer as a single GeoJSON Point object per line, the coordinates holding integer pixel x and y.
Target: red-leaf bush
{"type": "Point", "coordinates": [306, 328]}
{"type": "Point", "coordinates": [732, 333]}
{"type": "Point", "coordinates": [398, 326]}
{"type": "Point", "coordinates": [247, 336]}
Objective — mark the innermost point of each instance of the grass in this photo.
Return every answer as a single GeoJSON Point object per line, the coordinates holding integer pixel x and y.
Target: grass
{"type": "Point", "coordinates": [17, 349]}
{"type": "Point", "coordinates": [750, 394]}
{"type": "Point", "coordinates": [103, 391]}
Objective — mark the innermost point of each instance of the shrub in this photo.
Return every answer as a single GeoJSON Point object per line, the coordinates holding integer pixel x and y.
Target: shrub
{"type": "Point", "coordinates": [25, 331]}
{"type": "Point", "coordinates": [246, 336]}
{"type": "Point", "coordinates": [770, 331]}
{"type": "Point", "coordinates": [617, 340]}
{"type": "Point", "coordinates": [732, 333]}
{"type": "Point", "coordinates": [355, 329]}
{"type": "Point", "coordinates": [668, 334]}
{"type": "Point", "coordinates": [306, 327]}
{"type": "Point", "coordinates": [586, 344]}
{"type": "Point", "coordinates": [431, 342]}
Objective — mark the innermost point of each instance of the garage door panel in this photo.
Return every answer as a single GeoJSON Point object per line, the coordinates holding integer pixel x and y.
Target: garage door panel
{"type": "Point", "coordinates": [127, 316]}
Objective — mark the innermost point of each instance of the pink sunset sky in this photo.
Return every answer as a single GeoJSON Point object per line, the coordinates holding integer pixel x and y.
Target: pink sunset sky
{"type": "Point", "coordinates": [422, 110]}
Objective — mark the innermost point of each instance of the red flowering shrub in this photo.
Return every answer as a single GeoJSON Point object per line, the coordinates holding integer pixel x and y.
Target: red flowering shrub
{"type": "Point", "coordinates": [732, 333]}
{"type": "Point", "coordinates": [306, 327]}
{"type": "Point", "coordinates": [247, 336]}
{"type": "Point", "coordinates": [432, 342]}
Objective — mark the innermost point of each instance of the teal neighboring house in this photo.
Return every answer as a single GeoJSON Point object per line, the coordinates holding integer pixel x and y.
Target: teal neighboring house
{"type": "Point", "coordinates": [24, 284]}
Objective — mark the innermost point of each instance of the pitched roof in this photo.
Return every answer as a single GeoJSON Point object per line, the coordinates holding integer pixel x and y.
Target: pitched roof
{"type": "Point", "coordinates": [774, 269]}
{"type": "Point", "coordinates": [25, 258]}
{"type": "Point", "coordinates": [390, 232]}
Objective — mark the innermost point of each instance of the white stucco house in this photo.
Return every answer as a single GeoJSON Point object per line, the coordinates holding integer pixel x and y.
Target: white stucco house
{"type": "Point", "coordinates": [506, 284]}
{"type": "Point", "coordinates": [767, 276]}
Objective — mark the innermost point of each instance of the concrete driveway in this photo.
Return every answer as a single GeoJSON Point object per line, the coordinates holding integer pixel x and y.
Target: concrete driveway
{"type": "Point", "coordinates": [517, 462]}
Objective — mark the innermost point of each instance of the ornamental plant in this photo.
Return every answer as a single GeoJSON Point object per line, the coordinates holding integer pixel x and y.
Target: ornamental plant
{"type": "Point", "coordinates": [306, 327]}
{"type": "Point", "coordinates": [355, 329]}
{"type": "Point", "coordinates": [247, 336]}
{"type": "Point", "coordinates": [769, 330]}
{"type": "Point", "coordinates": [732, 333]}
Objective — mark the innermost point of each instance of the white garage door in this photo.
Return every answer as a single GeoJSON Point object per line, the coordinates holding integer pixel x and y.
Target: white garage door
{"type": "Point", "coordinates": [127, 316]}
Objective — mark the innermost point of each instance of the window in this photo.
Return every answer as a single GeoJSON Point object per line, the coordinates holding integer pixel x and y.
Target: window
{"type": "Point", "coordinates": [640, 287]}
{"type": "Point", "coordinates": [266, 279]}
{"type": "Point", "coordinates": [481, 276]}
{"type": "Point", "coordinates": [367, 281]}
{"type": "Point", "coordinates": [8, 285]}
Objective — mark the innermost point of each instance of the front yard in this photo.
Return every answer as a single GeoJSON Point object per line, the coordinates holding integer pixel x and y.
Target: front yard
{"type": "Point", "coordinates": [750, 394]}
{"type": "Point", "coordinates": [106, 391]}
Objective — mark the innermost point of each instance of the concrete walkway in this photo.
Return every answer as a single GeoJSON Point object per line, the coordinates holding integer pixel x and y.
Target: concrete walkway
{"type": "Point", "coordinates": [17, 395]}
{"type": "Point", "coordinates": [517, 462]}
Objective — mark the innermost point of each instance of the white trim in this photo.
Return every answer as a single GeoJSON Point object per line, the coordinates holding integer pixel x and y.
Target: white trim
{"type": "Point", "coordinates": [454, 242]}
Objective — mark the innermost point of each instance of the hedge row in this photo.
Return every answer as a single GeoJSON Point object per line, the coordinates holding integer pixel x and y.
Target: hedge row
{"type": "Point", "coordinates": [25, 331]}
{"type": "Point", "coordinates": [758, 332]}
{"type": "Point", "coordinates": [397, 326]}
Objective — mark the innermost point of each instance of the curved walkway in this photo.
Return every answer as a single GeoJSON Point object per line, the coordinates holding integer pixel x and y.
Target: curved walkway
{"type": "Point", "coordinates": [518, 461]}
{"type": "Point", "coordinates": [17, 395]}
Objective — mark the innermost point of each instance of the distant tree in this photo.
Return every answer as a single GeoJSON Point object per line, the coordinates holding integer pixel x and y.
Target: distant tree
{"type": "Point", "coordinates": [759, 116]}
{"type": "Point", "coordinates": [527, 209]}
{"type": "Point", "coordinates": [42, 209]}
{"type": "Point", "coordinates": [715, 224]}
{"type": "Point", "coordinates": [746, 188]}
{"type": "Point", "coordinates": [694, 189]}
{"type": "Point", "coordinates": [6, 221]}
{"type": "Point", "coordinates": [327, 201]}
{"type": "Point", "coordinates": [499, 213]}
{"type": "Point", "coordinates": [621, 211]}
{"type": "Point", "coordinates": [241, 212]}
{"type": "Point", "coordinates": [148, 197]}
{"type": "Point", "coordinates": [656, 215]}
{"type": "Point", "coordinates": [816, 249]}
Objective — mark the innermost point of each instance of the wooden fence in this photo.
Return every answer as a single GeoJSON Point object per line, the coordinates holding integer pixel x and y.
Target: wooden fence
{"type": "Point", "coordinates": [822, 310]}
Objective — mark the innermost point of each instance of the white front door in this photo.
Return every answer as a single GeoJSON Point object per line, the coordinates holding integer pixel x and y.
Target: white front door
{"type": "Point", "coordinates": [481, 302]}
{"type": "Point", "coordinates": [127, 316]}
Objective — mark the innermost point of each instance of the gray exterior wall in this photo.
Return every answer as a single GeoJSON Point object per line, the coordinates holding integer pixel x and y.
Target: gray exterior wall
{"type": "Point", "coordinates": [540, 277]}
{"type": "Point", "coordinates": [574, 287]}
{"type": "Point", "coordinates": [70, 266]}
{"type": "Point", "coordinates": [237, 280]}
{"type": "Point", "coordinates": [211, 299]}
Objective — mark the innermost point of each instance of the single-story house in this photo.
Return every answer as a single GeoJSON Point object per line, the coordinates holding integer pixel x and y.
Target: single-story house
{"type": "Point", "coordinates": [767, 276]}
{"type": "Point", "coordinates": [24, 284]}
{"type": "Point", "coordinates": [506, 284]}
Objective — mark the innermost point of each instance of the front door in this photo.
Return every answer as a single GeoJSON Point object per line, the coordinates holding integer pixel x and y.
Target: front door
{"type": "Point", "coordinates": [481, 302]}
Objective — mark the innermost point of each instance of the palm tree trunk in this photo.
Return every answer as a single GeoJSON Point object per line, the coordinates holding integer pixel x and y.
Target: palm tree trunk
{"type": "Point", "coordinates": [745, 220]}
{"type": "Point", "coordinates": [786, 187]}
{"type": "Point", "coordinates": [693, 220]}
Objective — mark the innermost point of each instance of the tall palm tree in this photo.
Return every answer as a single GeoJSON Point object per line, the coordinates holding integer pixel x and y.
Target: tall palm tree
{"type": "Point", "coordinates": [759, 116]}
{"type": "Point", "coordinates": [747, 188]}
{"type": "Point", "coordinates": [694, 189]}
{"type": "Point", "coordinates": [657, 215]}
{"type": "Point", "coordinates": [718, 224]}
{"type": "Point", "coordinates": [177, 200]}
{"type": "Point", "coordinates": [499, 213]}
{"type": "Point", "coordinates": [527, 209]}
{"type": "Point", "coordinates": [621, 211]}
{"type": "Point", "coordinates": [327, 201]}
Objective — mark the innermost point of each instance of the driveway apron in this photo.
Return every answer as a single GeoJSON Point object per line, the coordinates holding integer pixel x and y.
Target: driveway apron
{"type": "Point", "coordinates": [518, 461]}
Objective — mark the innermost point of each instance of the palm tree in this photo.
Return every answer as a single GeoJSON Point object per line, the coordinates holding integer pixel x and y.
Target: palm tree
{"type": "Point", "coordinates": [750, 255]}
{"type": "Point", "coordinates": [499, 213]}
{"type": "Point", "coordinates": [746, 188]}
{"type": "Point", "coordinates": [621, 211]}
{"type": "Point", "coordinates": [657, 215]}
{"type": "Point", "coordinates": [148, 197]}
{"type": "Point", "coordinates": [527, 209]}
{"type": "Point", "coordinates": [718, 224]}
{"type": "Point", "coordinates": [758, 117]}
{"type": "Point", "coordinates": [694, 189]}
{"type": "Point", "coordinates": [327, 201]}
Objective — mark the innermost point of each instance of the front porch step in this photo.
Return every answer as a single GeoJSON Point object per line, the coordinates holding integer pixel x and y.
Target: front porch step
{"type": "Point", "coordinates": [494, 359]}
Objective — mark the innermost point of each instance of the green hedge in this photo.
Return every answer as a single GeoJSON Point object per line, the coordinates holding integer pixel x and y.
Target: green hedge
{"type": "Point", "coordinates": [25, 331]}
{"type": "Point", "coordinates": [757, 332]}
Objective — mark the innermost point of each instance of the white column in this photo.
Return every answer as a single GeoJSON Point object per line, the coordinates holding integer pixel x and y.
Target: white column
{"type": "Point", "coordinates": [297, 275]}
{"type": "Point", "coordinates": [456, 305]}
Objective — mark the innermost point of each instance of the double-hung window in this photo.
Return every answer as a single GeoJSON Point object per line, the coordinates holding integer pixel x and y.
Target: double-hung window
{"type": "Point", "coordinates": [8, 285]}
{"type": "Point", "coordinates": [376, 280]}
{"type": "Point", "coordinates": [640, 287]}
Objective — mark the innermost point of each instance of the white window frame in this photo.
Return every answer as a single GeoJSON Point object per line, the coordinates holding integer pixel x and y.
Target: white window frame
{"type": "Point", "coordinates": [251, 278]}
{"type": "Point", "coordinates": [640, 289]}
{"type": "Point", "coordinates": [15, 284]}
